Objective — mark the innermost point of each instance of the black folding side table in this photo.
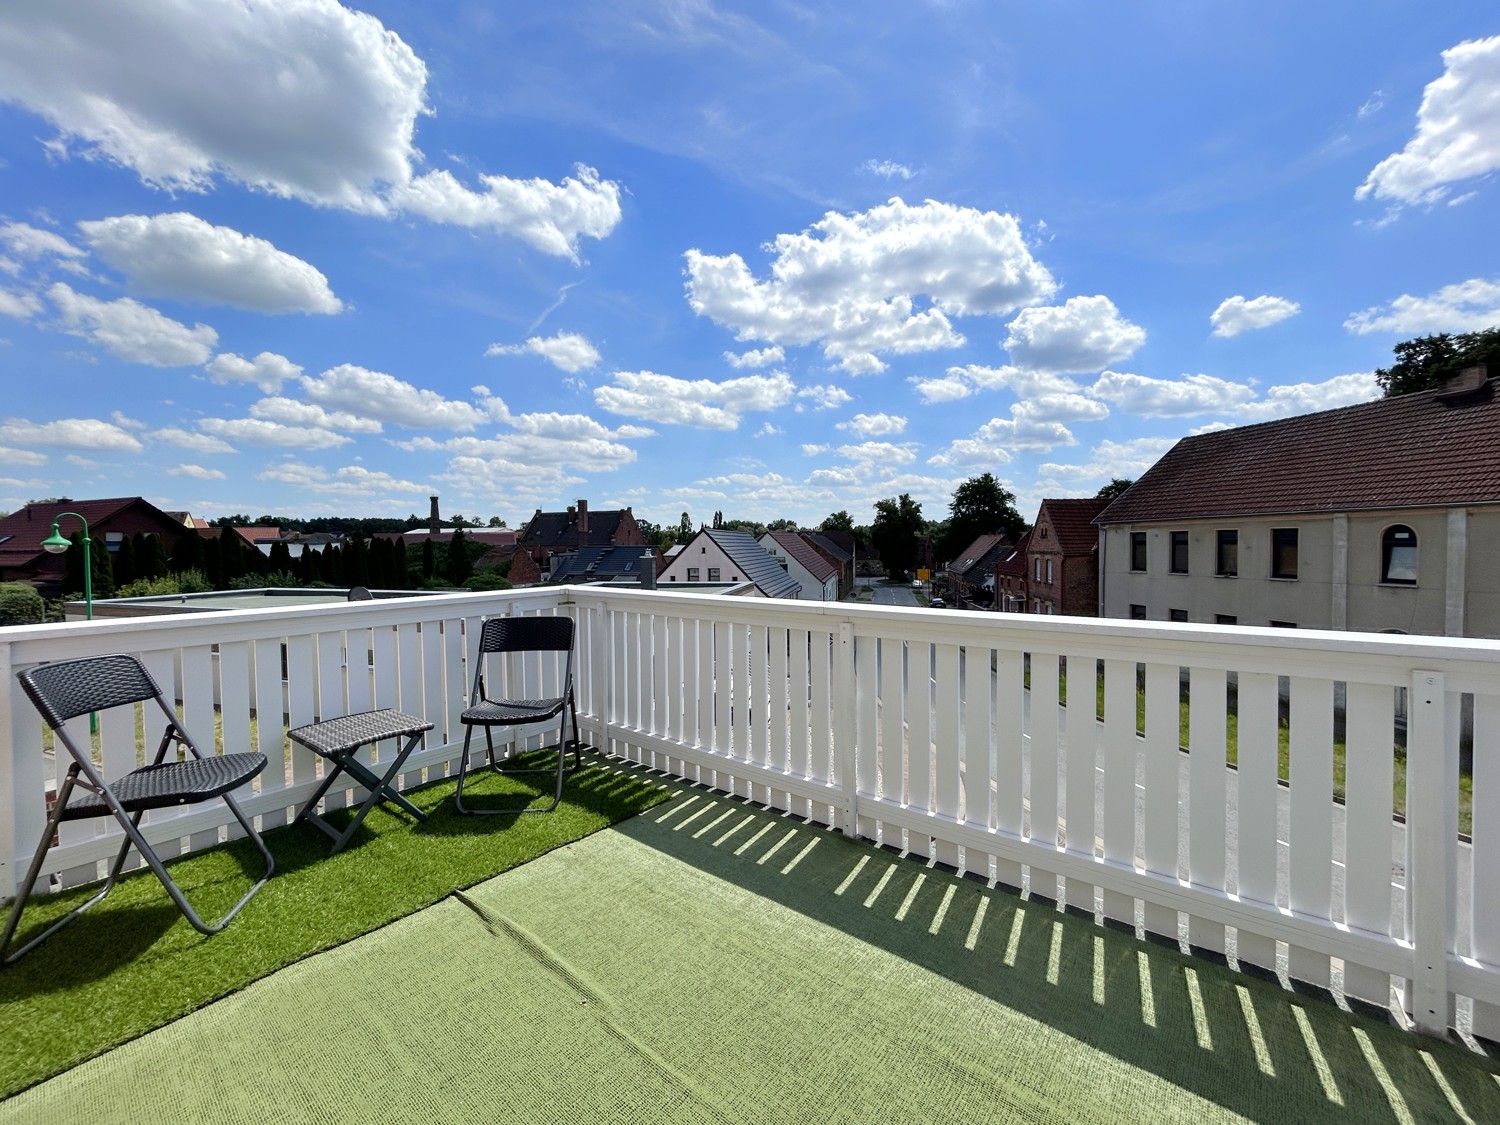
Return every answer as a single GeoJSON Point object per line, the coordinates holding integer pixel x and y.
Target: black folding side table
{"type": "Point", "coordinates": [336, 740]}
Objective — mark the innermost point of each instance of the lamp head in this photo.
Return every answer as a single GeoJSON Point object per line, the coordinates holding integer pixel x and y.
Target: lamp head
{"type": "Point", "coordinates": [57, 542]}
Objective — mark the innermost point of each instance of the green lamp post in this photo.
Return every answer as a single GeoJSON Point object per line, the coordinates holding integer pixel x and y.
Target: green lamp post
{"type": "Point", "coordinates": [57, 543]}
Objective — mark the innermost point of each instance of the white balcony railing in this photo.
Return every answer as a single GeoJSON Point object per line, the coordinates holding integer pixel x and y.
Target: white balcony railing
{"type": "Point", "coordinates": [1038, 751]}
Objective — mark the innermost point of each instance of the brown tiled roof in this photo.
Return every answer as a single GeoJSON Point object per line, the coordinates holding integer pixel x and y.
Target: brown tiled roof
{"type": "Point", "coordinates": [974, 553]}
{"type": "Point", "coordinates": [1073, 523]}
{"type": "Point", "coordinates": [22, 532]}
{"type": "Point", "coordinates": [1415, 450]}
{"type": "Point", "coordinates": [1015, 562]}
{"type": "Point", "coordinates": [800, 549]}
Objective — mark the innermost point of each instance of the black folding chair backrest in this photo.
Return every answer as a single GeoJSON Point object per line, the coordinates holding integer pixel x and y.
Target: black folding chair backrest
{"type": "Point", "coordinates": [69, 688]}
{"type": "Point", "coordinates": [526, 634]}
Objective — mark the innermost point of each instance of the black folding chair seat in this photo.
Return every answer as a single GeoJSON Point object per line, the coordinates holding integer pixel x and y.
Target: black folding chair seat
{"type": "Point", "coordinates": [171, 783]}
{"type": "Point", "coordinates": [518, 636]}
{"type": "Point", "coordinates": [68, 688]}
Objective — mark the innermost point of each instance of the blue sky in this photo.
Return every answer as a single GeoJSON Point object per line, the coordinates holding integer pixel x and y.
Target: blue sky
{"type": "Point", "coordinates": [767, 258]}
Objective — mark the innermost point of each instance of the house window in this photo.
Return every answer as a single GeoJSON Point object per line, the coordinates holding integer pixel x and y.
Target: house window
{"type": "Point", "coordinates": [1227, 554]}
{"type": "Point", "coordinates": [1283, 624]}
{"type": "Point", "coordinates": [693, 573]}
{"type": "Point", "coordinates": [1138, 550]}
{"type": "Point", "coordinates": [1177, 615]}
{"type": "Point", "coordinates": [1179, 552]}
{"type": "Point", "coordinates": [1398, 553]}
{"type": "Point", "coordinates": [1283, 552]}
{"type": "Point", "coordinates": [713, 574]}
{"type": "Point", "coordinates": [1049, 572]}
{"type": "Point", "coordinates": [1137, 612]}
{"type": "Point", "coordinates": [1226, 619]}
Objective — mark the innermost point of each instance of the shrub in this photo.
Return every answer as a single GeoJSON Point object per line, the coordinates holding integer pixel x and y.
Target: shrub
{"type": "Point", "coordinates": [20, 604]}
{"type": "Point", "coordinates": [487, 580]}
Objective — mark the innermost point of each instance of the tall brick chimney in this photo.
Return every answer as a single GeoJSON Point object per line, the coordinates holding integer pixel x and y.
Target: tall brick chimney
{"type": "Point", "coordinates": [434, 523]}
{"type": "Point", "coordinates": [583, 523]}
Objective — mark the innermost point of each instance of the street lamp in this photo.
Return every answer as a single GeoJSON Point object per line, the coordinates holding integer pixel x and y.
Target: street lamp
{"type": "Point", "coordinates": [57, 543]}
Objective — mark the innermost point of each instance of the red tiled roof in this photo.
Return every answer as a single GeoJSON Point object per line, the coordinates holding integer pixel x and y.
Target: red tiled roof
{"type": "Point", "coordinates": [974, 553]}
{"type": "Point", "coordinates": [801, 550]}
{"type": "Point", "coordinates": [23, 530]}
{"type": "Point", "coordinates": [1015, 562]}
{"type": "Point", "coordinates": [1073, 523]}
{"type": "Point", "coordinates": [1412, 451]}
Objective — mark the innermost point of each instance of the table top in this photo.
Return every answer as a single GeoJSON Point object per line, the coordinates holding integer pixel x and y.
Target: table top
{"type": "Point", "coordinates": [347, 732]}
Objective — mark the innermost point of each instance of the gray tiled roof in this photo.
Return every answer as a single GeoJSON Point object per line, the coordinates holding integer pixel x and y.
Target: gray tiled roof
{"type": "Point", "coordinates": [756, 563]}
{"type": "Point", "coordinates": [1416, 450]}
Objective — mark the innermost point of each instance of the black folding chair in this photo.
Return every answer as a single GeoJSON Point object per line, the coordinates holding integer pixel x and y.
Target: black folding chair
{"type": "Point", "coordinates": [517, 636]}
{"type": "Point", "coordinates": [68, 688]}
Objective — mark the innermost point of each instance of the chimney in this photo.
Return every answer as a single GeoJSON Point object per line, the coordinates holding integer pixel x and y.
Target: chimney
{"type": "Point", "coordinates": [583, 523]}
{"type": "Point", "coordinates": [648, 571]}
{"type": "Point", "coordinates": [434, 523]}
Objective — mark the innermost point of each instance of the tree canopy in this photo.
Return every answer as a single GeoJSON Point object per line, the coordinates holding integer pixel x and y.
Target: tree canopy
{"type": "Point", "coordinates": [1114, 489]}
{"type": "Point", "coordinates": [894, 534]}
{"type": "Point", "coordinates": [980, 506]}
{"type": "Point", "coordinates": [1424, 363]}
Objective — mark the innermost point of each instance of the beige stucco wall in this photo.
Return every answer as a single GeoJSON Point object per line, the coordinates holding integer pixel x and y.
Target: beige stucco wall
{"type": "Point", "coordinates": [1321, 597]}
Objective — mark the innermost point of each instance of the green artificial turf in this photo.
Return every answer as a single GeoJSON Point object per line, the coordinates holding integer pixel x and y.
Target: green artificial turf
{"type": "Point", "coordinates": [712, 961]}
{"type": "Point", "coordinates": [132, 963]}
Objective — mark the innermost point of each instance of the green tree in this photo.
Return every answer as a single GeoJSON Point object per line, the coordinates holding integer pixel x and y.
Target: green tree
{"type": "Point", "coordinates": [1426, 362]}
{"type": "Point", "coordinates": [399, 564]}
{"type": "Point", "coordinates": [427, 559]}
{"type": "Point", "coordinates": [980, 506]}
{"type": "Point", "coordinates": [280, 559]}
{"type": "Point", "coordinates": [838, 521]}
{"type": "Point", "coordinates": [123, 562]}
{"type": "Point", "coordinates": [1114, 489]}
{"type": "Point", "coordinates": [103, 569]}
{"type": "Point", "coordinates": [684, 528]}
{"type": "Point", "coordinates": [894, 534]}
{"type": "Point", "coordinates": [782, 525]}
{"type": "Point", "coordinates": [460, 563]}
{"type": "Point", "coordinates": [151, 557]}
{"type": "Point", "coordinates": [187, 552]}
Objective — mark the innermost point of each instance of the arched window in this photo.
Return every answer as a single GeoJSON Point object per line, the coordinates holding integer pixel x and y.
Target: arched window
{"type": "Point", "coordinates": [1398, 554]}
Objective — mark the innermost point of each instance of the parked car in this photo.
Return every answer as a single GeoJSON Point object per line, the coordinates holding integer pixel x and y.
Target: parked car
{"type": "Point", "coordinates": [938, 603]}
{"type": "Point", "coordinates": [916, 583]}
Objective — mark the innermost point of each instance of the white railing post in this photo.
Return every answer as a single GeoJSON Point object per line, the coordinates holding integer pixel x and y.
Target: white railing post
{"type": "Point", "coordinates": [843, 728]}
{"type": "Point", "coordinates": [1431, 844]}
{"type": "Point", "coordinates": [9, 798]}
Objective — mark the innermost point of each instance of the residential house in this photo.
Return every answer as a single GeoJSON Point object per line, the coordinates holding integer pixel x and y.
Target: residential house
{"type": "Point", "coordinates": [971, 576]}
{"type": "Point", "coordinates": [1383, 516]}
{"type": "Point", "coordinates": [22, 558]}
{"type": "Point", "coordinates": [836, 554]}
{"type": "Point", "coordinates": [1062, 558]}
{"type": "Point", "coordinates": [635, 565]}
{"type": "Point", "coordinates": [715, 557]}
{"type": "Point", "coordinates": [817, 576]}
{"type": "Point", "coordinates": [1010, 578]}
{"type": "Point", "coordinates": [548, 534]}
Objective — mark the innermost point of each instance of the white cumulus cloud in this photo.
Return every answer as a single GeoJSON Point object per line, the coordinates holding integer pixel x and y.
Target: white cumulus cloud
{"type": "Point", "coordinates": [19, 304]}
{"type": "Point", "coordinates": [132, 331]}
{"type": "Point", "coordinates": [852, 282]}
{"type": "Point", "coordinates": [1239, 314]}
{"type": "Point", "coordinates": [701, 403]}
{"type": "Point", "coordinates": [1468, 306]}
{"type": "Point", "coordinates": [384, 398]}
{"type": "Point", "coordinates": [1084, 334]}
{"type": "Point", "coordinates": [266, 371]}
{"type": "Point", "coordinates": [1166, 398]}
{"type": "Point", "coordinates": [196, 472]}
{"type": "Point", "coordinates": [180, 255]}
{"type": "Point", "coordinates": [1458, 130]}
{"type": "Point", "coordinates": [290, 412]}
{"type": "Point", "coordinates": [874, 425]}
{"type": "Point", "coordinates": [26, 241]}
{"type": "Point", "coordinates": [303, 99]}
{"type": "Point", "coordinates": [1304, 398]}
{"type": "Point", "coordinates": [70, 433]}
{"type": "Point", "coordinates": [275, 435]}
{"type": "Point", "coordinates": [755, 357]}
{"type": "Point", "coordinates": [194, 442]}
{"type": "Point", "coordinates": [567, 351]}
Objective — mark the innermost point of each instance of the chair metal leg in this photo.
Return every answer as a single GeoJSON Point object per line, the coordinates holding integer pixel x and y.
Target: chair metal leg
{"type": "Point", "coordinates": [130, 823]}
{"type": "Point", "coordinates": [562, 767]}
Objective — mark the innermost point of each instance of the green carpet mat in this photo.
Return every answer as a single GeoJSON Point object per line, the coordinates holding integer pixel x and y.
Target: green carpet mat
{"type": "Point", "coordinates": [708, 961]}
{"type": "Point", "coordinates": [132, 963]}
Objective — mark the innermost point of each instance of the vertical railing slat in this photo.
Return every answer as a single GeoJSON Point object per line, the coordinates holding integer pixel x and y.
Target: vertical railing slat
{"type": "Point", "coordinates": [1484, 923]}
{"type": "Point", "coordinates": [947, 748]}
{"type": "Point", "coordinates": [1161, 767]}
{"type": "Point", "coordinates": [1257, 732]}
{"type": "Point", "coordinates": [1369, 769]}
{"type": "Point", "coordinates": [1120, 752]}
{"type": "Point", "coordinates": [1010, 754]}
{"type": "Point", "coordinates": [1207, 784]}
{"type": "Point", "coordinates": [1081, 772]}
{"type": "Point", "coordinates": [1310, 838]}
{"type": "Point", "coordinates": [1045, 730]}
